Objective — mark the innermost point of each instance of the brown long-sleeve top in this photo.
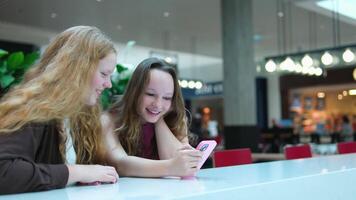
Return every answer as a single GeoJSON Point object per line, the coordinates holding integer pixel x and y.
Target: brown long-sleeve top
{"type": "Point", "coordinates": [30, 160]}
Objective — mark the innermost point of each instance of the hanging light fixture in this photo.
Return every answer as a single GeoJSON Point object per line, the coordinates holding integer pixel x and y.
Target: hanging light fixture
{"type": "Point", "coordinates": [298, 68]}
{"type": "Point", "coordinates": [348, 56]}
{"type": "Point", "coordinates": [184, 83]}
{"type": "Point", "coordinates": [287, 64]}
{"type": "Point", "coordinates": [270, 66]}
{"type": "Point", "coordinates": [307, 61]}
{"type": "Point", "coordinates": [321, 95]}
{"type": "Point", "coordinates": [198, 85]}
{"type": "Point", "coordinates": [327, 59]}
{"type": "Point", "coordinates": [318, 71]}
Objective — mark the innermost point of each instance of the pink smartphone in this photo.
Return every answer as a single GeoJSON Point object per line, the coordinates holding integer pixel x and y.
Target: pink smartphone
{"type": "Point", "coordinates": [205, 146]}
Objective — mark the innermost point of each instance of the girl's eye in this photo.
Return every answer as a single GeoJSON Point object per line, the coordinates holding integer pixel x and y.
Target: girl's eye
{"type": "Point", "coordinates": [102, 73]}
{"type": "Point", "coordinates": [167, 98]}
{"type": "Point", "coordinates": [149, 94]}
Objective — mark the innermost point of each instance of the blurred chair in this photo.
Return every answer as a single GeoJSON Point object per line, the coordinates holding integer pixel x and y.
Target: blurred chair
{"type": "Point", "coordinates": [298, 151]}
{"type": "Point", "coordinates": [346, 147]}
{"type": "Point", "coordinates": [232, 157]}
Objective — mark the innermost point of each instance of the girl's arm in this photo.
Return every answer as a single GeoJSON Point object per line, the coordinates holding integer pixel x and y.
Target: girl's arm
{"type": "Point", "coordinates": [91, 173]}
{"type": "Point", "coordinates": [167, 143]}
{"type": "Point", "coordinates": [19, 171]}
{"type": "Point", "coordinates": [183, 162]}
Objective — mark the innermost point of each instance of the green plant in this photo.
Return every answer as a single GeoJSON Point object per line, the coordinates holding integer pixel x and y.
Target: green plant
{"type": "Point", "coordinates": [119, 81]}
{"type": "Point", "coordinates": [13, 66]}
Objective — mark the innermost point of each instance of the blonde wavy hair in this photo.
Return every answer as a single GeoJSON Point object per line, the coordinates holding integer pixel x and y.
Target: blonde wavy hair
{"type": "Point", "coordinates": [125, 112]}
{"type": "Point", "coordinates": [56, 87]}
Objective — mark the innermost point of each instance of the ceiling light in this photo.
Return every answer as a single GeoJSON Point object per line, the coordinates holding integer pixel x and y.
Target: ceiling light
{"type": "Point", "coordinates": [130, 43]}
{"type": "Point", "coordinates": [327, 58]}
{"type": "Point", "coordinates": [305, 70]}
{"type": "Point", "coordinates": [339, 96]}
{"type": "Point", "coordinates": [53, 15]}
{"type": "Point", "coordinates": [119, 27]}
{"type": "Point", "coordinates": [298, 68]}
{"type": "Point", "coordinates": [352, 92]}
{"type": "Point", "coordinates": [318, 71]}
{"type": "Point", "coordinates": [311, 71]}
{"type": "Point", "coordinates": [348, 56]}
{"type": "Point", "coordinates": [191, 84]}
{"type": "Point", "coordinates": [344, 93]}
{"type": "Point", "coordinates": [287, 64]}
{"type": "Point", "coordinates": [184, 83]}
{"type": "Point", "coordinates": [206, 110]}
{"type": "Point", "coordinates": [271, 66]}
{"type": "Point", "coordinates": [320, 94]}
{"type": "Point", "coordinates": [307, 61]}
{"type": "Point", "coordinates": [166, 14]}
{"type": "Point", "coordinates": [198, 85]}
{"type": "Point", "coordinates": [168, 59]}
{"type": "Point", "coordinates": [354, 74]}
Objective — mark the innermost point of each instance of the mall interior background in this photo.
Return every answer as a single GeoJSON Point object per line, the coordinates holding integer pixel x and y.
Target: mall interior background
{"type": "Point", "coordinates": [189, 34]}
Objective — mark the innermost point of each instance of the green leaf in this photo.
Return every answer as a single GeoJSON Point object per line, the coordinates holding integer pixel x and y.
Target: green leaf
{"type": "Point", "coordinates": [3, 53]}
{"type": "Point", "coordinates": [105, 99]}
{"type": "Point", "coordinates": [6, 80]}
{"type": "Point", "coordinates": [3, 67]}
{"type": "Point", "coordinates": [120, 68]}
{"type": "Point", "coordinates": [15, 60]}
{"type": "Point", "coordinates": [30, 59]}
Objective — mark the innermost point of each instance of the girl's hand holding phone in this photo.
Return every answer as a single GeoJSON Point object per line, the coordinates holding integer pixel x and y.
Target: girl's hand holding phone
{"type": "Point", "coordinates": [206, 147]}
{"type": "Point", "coordinates": [185, 161]}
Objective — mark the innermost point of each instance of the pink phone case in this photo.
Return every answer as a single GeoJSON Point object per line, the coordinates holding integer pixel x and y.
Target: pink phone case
{"type": "Point", "coordinates": [206, 146]}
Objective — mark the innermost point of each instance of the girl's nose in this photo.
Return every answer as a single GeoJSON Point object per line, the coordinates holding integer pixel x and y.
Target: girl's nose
{"type": "Point", "coordinates": [108, 84]}
{"type": "Point", "coordinates": [157, 102]}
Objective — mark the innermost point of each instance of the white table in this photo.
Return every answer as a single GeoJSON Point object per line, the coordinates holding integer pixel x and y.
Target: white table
{"type": "Point", "coordinates": [325, 177]}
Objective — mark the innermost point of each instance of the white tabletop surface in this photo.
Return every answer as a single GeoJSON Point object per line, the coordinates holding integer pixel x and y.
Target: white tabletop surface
{"type": "Point", "coordinates": [324, 177]}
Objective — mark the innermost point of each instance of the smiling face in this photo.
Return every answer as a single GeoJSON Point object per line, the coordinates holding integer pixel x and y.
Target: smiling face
{"type": "Point", "coordinates": [101, 79]}
{"type": "Point", "coordinates": [156, 98]}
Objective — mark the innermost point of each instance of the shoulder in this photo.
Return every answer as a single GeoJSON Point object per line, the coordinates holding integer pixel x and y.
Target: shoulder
{"type": "Point", "coordinates": [42, 125]}
{"type": "Point", "coordinates": [106, 121]}
{"type": "Point", "coordinates": [31, 131]}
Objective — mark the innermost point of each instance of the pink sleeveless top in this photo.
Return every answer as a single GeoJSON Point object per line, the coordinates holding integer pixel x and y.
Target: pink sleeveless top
{"type": "Point", "coordinates": [148, 142]}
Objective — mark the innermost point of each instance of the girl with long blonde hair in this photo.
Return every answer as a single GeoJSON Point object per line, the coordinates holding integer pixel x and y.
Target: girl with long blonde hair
{"type": "Point", "coordinates": [50, 129]}
{"type": "Point", "coordinates": [147, 129]}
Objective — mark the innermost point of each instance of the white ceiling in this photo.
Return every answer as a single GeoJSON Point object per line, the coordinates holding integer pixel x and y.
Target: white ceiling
{"type": "Point", "coordinates": [193, 26]}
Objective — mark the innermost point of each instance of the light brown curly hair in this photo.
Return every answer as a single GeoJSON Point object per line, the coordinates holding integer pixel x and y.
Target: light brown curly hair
{"type": "Point", "coordinates": [56, 87]}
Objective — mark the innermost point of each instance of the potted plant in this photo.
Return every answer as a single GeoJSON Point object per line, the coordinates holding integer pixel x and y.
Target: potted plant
{"type": "Point", "coordinates": [119, 81]}
{"type": "Point", "coordinates": [13, 66]}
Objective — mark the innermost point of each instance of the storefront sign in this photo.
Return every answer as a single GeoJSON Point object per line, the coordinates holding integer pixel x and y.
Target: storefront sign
{"type": "Point", "coordinates": [208, 89]}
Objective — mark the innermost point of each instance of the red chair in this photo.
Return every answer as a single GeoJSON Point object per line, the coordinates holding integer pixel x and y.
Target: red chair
{"type": "Point", "coordinates": [299, 151]}
{"type": "Point", "coordinates": [346, 147]}
{"type": "Point", "coordinates": [232, 157]}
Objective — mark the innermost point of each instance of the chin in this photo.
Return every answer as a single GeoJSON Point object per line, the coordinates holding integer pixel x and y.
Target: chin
{"type": "Point", "coordinates": [151, 120]}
